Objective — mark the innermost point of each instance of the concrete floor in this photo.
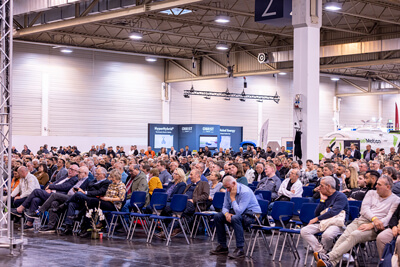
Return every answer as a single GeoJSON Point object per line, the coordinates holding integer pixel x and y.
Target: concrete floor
{"type": "Point", "coordinates": [50, 249]}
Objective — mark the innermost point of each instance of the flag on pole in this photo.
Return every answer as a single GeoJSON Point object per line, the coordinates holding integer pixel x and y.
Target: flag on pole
{"type": "Point", "coordinates": [264, 135]}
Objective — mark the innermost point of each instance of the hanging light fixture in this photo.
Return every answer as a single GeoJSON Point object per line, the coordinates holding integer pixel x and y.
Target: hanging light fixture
{"type": "Point", "coordinates": [136, 35]}
{"type": "Point", "coordinates": [333, 6]}
{"type": "Point", "coordinates": [222, 19]}
{"type": "Point", "coordinates": [222, 46]}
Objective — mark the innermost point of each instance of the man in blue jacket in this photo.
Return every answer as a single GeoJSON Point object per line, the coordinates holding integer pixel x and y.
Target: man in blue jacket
{"type": "Point", "coordinates": [39, 196]}
{"type": "Point", "coordinates": [239, 207]}
{"type": "Point", "coordinates": [331, 204]}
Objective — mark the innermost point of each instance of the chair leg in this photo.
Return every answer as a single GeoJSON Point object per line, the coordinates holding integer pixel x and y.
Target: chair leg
{"type": "Point", "coordinates": [305, 258]}
{"type": "Point", "coordinates": [230, 237]}
{"type": "Point", "coordinates": [184, 233]}
{"type": "Point", "coordinates": [250, 242]}
{"type": "Point", "coordinates": [194, 226]}
{"type": "Point", "coordinates": [150, 231]}
{"type": "Point", "coordinates": [276, 246]}
{"type": "Point", "coordinates": [283, 246]}
{"type": "Point", "coordinates": [254, 243]}
{"type": "Point", "coordinates": [170, 232]}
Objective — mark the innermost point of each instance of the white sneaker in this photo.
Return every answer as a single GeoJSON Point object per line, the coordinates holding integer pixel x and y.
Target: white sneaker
{"type": "Point", "coordinates": [346, 257]}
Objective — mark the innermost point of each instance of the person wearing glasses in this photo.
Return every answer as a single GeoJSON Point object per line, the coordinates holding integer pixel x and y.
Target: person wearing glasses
{"type": "Point", "coordinates": [39, 196]}
{"type": "Point", "coordinates": [96, 188]}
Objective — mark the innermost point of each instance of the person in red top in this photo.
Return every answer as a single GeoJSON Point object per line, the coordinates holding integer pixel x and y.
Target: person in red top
{"type": "Point", "coordinates": [150, 153]}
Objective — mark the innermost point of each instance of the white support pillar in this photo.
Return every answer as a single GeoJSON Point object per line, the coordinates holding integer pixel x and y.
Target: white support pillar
{"type": "Point", "coordinates": [307, 19]}
{"type": "Point", "coordinates": [165, 99]}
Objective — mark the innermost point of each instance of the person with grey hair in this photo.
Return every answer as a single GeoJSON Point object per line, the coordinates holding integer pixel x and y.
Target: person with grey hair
{"type": "Point", "coordinates": [377, 209]}
{"type": "Point", "coordinates": [290, 187]}
{"type": "Point", "coordinates": [137, 182]}
{"type": "Point", "coordinates": [332, 203]}
{"type": "Point", "coordinates": [96, 188]}
{"type": "Point", "coordinates": [240, 205]}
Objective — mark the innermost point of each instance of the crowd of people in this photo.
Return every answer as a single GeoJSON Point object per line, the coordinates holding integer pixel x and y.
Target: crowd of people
{"type": "Point", "coordinates": [67, 180]}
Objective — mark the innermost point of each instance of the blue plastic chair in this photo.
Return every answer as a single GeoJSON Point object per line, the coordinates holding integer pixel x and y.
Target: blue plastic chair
{"type": "Point", "coordinates": [266, 195]}
{"type": "Point", "coordinates": [178, 205]}
{"type": "Point", "coordinates": [282, 212]}
{"type": "Point", "coordinates": [298, 203]}
{"type": "Point", "coordinates": [252, 187]}
{"type": "Point", "coordinates": [308, 191]}
{"type": "Point", "coordinates": [354, 213]}
{"type": "Point", "coordinates": [159, 190]}
{"type": "Point", "coordinates": [207, 216]}
{"type": "Point", "coordinates": [255, 183]}
{"type": "Point", "coordinates": [355, 203]}
{"type": "Point", "coordinates": [136, 198]}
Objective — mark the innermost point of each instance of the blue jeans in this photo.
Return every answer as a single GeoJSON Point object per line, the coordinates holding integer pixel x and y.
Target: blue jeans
{"type": "Point", "coordinates": [126, 208]}
{"type": "Point", "coordinates": [238, 222]}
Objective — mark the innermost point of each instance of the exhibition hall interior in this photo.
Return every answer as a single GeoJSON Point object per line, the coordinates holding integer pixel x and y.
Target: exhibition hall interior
{"type": "Point", "coordinates": [202, 132]}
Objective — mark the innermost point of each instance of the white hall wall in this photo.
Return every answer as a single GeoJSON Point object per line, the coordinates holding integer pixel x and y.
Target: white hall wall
{"type": "Point", "coordinates": [93, 97]}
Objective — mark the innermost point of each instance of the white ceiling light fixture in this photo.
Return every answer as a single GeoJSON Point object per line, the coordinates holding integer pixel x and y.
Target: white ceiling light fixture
{"type": "Point", "coordinates": [333, 6]}
{"type": "Point", "coordinates": [335, 79]}
{"type": "Point", "coordinates": [222, 19]}
{"type": "Point", "coordinates": [282, 73]}
{"type": "Point", "coordinates": [66, 50]}
{"type": "Point", "coordinates": [151, 59]}
{"type": "Point", "coordinates": [222, 46]}
{"type": "Point", "coordinates": [136, 35]}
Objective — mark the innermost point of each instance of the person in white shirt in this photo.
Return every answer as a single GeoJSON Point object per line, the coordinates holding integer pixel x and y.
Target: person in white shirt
{"type": "Point", "coordinates": [290, 187]}
{"type": "Point", "coordinates": [28, 183]}
{"type": "Point", "coordinates": [249, 171]}
{"type": "Point", "coordinates": [329, 153]}
{"type": "Point", "coordinates": [172, 152]}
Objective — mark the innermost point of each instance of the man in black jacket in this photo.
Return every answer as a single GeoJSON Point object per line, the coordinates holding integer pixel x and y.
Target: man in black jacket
{"type": "Point", "coordinates": [355, 152]}
{"type": "Point", "coordinates": [96, 188]}
{"type": "Point", "coordinates": [259, 174]}
{"type": "Point", "coordinates": [369, 154]}
{"type": "Point", "coordinates": [39, 196]}
{"type": "Point", "coordinates": [56, 199]}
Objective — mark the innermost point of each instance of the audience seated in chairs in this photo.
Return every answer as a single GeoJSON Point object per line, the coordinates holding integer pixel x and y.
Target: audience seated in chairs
{"type": "Point", "coordinates": [96, 188]}
{"type": "Point", "coordinates": [111, 201]}
{"type": "Point", "coordinates": [330, 216]}
{"type": "Point", "coordinates": [27, 183]}
{"type": "Point", "coordinates": [56, 199]}
{"type": "Point", "coordinates": [197, 192]}
{"type": "Point", "coordinates": [39, 196]}
{"type": "Point", "coordinates": [240, 206]}
{"type": "Point", "coordinates": [377, 209]}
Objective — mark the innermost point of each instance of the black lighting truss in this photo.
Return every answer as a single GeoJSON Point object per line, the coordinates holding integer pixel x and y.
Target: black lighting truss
{"type": "Point", "coordinates": [227, 95]}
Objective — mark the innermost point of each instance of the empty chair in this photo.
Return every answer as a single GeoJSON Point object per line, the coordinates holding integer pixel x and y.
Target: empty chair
{"type": "Point", "coordinates": [282, 212]}
{"type": "Point", "coordinates": [308, 191]}
{"type": "Point", "coordinates": [266, 195]}
{"type": "Point", "coordinates": [207, 216]}
{"type": "Point", "coordinates": [298, 203]}
{"type": "Point", "coordinates": [355, 203]}
{"type": "Point", "coordinates": [158, 190]}
{"type": "Point", "coordinates": [178, 205]}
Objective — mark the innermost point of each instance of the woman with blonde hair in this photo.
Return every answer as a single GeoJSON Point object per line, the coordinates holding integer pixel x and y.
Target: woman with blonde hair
{"type": "Point", "coordinates": [350, 180]}
{"type": "Point", "coordinates": [178, 183]}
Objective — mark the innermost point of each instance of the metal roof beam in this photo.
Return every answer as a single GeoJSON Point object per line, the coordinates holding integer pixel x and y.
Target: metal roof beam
{"type": "Point", "coordinates": [136, 10]}
{"type": "Point", "coordinates": [354, 85]}
{"type": "Point", "coordinates": [388, 82]}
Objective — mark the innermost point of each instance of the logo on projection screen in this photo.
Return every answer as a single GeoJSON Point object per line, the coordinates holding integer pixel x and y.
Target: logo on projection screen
{"type": "Point", "coordinates": [161, 140]}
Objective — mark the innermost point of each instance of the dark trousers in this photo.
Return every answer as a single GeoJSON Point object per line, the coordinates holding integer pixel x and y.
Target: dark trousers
{"type": "Point", "coordinates": [238, 223]}
{"type": "Point", "coordinates": [34, 200]}
{"type": "Point", "coordinates": [15, 203]}
{"type": "Point", "coordinates": [76, 202]}
{"type": "Point", "coordinates": [187, 213]}
{"type": "Point", "coordinates": [55, 200]}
